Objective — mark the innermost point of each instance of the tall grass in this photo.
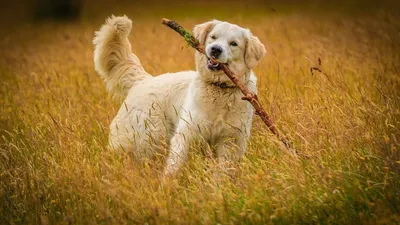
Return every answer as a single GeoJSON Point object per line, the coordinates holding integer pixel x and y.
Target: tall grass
{"type": "Point", "coordinates": [55, 167]}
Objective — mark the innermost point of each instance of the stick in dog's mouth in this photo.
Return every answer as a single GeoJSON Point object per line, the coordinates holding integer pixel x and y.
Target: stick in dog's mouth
{"type": "Point", "coordinates": [213, 65]}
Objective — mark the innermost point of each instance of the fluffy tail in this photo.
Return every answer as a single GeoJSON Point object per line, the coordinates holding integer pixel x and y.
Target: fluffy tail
{"type": "Point", "coordinates": [113, 58]}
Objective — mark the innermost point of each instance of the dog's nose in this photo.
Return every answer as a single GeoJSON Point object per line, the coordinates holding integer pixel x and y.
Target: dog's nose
{"type": "Point", "coordinates": [216, 51]}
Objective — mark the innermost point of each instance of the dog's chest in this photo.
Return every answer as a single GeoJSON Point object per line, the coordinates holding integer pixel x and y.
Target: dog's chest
{"type": "Point", "coordinates": [222, 106]}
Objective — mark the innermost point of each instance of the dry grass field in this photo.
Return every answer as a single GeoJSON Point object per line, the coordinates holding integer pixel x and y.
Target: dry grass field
{"type": "Point", "coordinates": [54, 117]}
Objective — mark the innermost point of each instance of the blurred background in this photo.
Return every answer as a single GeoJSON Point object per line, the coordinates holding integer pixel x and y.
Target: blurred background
{"type": "Point", "coordinates": [37, 22]}
{"type": "Point", "coordinates": [85, 10]}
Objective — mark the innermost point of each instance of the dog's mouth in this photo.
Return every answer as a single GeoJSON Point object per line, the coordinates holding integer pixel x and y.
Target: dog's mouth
{"type": "Point", "coordinates": [213, 66]}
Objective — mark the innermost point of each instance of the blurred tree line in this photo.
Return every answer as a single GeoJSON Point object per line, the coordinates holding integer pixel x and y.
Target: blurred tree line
{"type": "Point", "coordinates": [58, 9]}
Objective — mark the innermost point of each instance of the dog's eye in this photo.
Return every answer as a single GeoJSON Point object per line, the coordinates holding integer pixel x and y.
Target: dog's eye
{"type": "Point", "coordinates": [213, 37]}
{"type": "Point", "coordinates": [233, 43]}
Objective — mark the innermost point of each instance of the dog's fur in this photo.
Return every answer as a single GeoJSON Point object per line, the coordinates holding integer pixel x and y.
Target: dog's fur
{"type": "Point", "coordinates": [179, 107]}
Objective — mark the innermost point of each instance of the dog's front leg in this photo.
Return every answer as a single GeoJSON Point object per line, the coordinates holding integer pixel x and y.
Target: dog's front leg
{"type": "Point", "coordinates": [178, 150]}
{"type": "Point", "coordinates": [229, 152]}
{"type": "Point", "coordinates": [232, 149]}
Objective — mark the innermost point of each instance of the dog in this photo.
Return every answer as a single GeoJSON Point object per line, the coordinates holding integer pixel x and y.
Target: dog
{"type": "Point", "coordinates": [178, 108]}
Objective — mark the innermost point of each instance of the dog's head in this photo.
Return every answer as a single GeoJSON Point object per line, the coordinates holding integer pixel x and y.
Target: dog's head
{"type": "Point", "coordinates": [227, 43]}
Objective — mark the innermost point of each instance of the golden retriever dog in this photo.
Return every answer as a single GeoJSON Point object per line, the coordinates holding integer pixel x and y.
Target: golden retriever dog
{"type": "Point", "coordinates": [177, 108]}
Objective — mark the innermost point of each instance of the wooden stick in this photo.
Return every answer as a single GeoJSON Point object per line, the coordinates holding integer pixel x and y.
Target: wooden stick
{"type": "Point", "coordinates": [248, 95]}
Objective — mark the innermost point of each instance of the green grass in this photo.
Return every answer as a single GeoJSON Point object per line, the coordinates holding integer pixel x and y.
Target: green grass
{"type": "Point", "coordinates": [55, 167]}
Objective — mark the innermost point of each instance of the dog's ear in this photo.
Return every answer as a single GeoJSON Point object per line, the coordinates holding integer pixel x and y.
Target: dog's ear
{"type": "Point", "coordinates": [254, 52]}
{"type": "Point", "coordinates": [200, 31]}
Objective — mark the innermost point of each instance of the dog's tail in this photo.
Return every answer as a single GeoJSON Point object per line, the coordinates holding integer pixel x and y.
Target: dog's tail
{"type": "Point", "coordinates": [113, 58]}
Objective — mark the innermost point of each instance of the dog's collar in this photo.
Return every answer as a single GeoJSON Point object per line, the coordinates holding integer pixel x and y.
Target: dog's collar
{"type": "Point", "coordinates": [223, 85]}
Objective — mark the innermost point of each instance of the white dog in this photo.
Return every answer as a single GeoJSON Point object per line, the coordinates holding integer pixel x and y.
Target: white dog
{"type": "Point", "coordinates": [176, 108]}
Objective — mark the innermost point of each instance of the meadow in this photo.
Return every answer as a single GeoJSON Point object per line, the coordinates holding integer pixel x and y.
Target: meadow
{"type": "Point", "coordinates": [55, 167]}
